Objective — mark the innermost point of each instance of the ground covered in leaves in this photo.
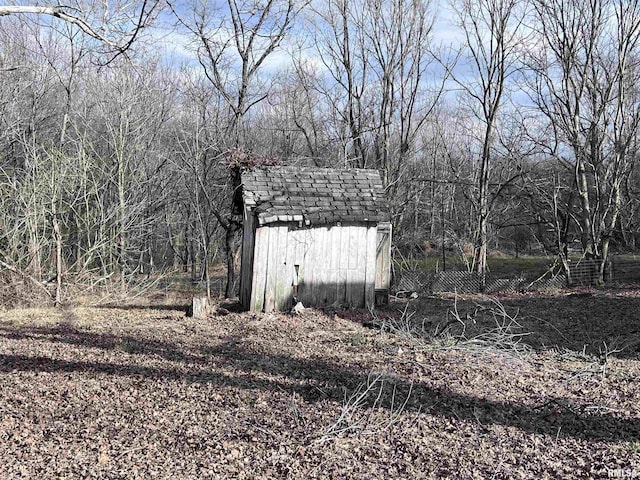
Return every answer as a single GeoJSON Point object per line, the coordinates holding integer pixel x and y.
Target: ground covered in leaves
{"type": "Point", "coordinates": [523, 387]}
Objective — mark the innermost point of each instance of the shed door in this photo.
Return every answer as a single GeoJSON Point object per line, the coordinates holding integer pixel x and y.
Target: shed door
{"type": "Point", "coordinates": [383, 257]}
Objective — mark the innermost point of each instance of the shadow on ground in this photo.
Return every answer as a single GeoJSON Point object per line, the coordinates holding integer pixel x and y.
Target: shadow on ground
{"type": "Point", "coordinates": [312, 379]}
{"type": "Point", "coordinates": [70, 335]}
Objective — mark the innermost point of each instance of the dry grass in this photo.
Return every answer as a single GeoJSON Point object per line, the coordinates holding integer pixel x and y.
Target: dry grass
{"type": "Point", "coordinates": [143, 392]}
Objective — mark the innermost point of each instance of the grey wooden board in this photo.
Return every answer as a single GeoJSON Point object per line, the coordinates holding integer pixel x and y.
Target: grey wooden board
{"type": "Point", "coordinates": [370, 267]}
{"type": "Point", "coordinates": [383, 257]}
{"type": "Point", "coordinates": [336, 263]}
{"type": "Point", "coordinates": [284, 291]}
{"type": "Point", "coordinates": [260, 264]}
{"type": "Point", "coordinates": [247, 256]}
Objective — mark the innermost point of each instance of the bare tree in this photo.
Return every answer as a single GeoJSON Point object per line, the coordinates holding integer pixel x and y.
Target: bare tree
{"type": "Point", "coordinates": [234, 45]}
{"type": "Point", "coordinates": [401, 56]}
{"type": "Point", "coordinates": [339, 39]}
{"type": "Point", "coordinates": [586, 85]}
{"type": "Point", "coordinates": [42, 175]}
{"type": "Point", "coordinates": [232, 48]}
{"type": "Point", "coordinates": [381, 83]}
{"type": "Point", "coordinates": [493, 32]}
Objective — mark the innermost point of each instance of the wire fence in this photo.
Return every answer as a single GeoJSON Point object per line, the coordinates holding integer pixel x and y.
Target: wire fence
{"type": "Point", "coordinates": [624, 270]}
{"type": "Point", "coordinates": [469, 282]}
{"type": "Point", "coordinates": [619, 270]}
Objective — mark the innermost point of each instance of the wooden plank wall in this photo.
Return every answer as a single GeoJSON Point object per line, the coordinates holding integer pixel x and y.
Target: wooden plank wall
{"type": "Point", "coordinates": [246, 266]}
{"type": "Point", "coordinates": [260, 263]}
{"type": "Point", "coordinates": [335, 264]}
{"type": "Point", "coordinates": [370, 273]}
{"type": "Point", "coordinates": [383, 258]}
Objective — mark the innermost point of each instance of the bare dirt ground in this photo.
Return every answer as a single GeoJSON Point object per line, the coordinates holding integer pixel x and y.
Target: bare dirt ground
{"type": "Point", "coordinates": [548, 391]}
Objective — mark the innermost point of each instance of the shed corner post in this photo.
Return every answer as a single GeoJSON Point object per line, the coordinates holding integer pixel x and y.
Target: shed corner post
{"type": "Point", "coordinates": [383, 263]}
{"type": "Point", "coordinates": [370, 267]}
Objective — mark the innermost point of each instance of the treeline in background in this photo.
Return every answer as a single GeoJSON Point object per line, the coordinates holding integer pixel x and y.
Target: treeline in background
{"type": "Point", "coordinates": [499, 125]}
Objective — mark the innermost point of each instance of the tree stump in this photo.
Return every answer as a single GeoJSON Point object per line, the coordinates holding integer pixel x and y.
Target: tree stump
{"type": "Point", "coordinates": [198, 307]}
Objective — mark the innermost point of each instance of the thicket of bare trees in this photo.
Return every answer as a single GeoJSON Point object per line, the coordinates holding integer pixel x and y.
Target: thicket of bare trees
{"type": "Point", "coordinates": [517, 132]}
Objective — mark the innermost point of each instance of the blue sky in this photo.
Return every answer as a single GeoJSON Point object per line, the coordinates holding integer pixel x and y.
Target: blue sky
{"type": "Point", "coordinates": [178, 46]}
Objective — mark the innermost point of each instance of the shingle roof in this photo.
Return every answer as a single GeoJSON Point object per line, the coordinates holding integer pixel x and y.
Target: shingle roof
{"type": "Point", "coordinates": [317, 196]}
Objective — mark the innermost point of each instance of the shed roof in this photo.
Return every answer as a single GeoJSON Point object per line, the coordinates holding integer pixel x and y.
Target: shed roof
{"type": "Point", "coordinates": [315, 195]}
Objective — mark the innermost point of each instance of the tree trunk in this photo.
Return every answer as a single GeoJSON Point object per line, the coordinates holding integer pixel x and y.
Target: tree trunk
{"type": "Point", "coordinates": [35, 260]}
{"type": "Point", "coordinates": [480, 260]}
{"type": "Point", "coordinates": [185, 250]}
{"type": "Point", "coordinates": [230, 236]}
{"type": "Point", "coordinates": [192, 254]}
{"type": "Point", "coordinates": [198, 307]}
{"type": "Point", "coordinates": [121, 234]}
{"type": "Point", "coordinates": [587, 240]}
{"type": "Point", "coordinates": [608, 229]}
{"type": "Point", "coordinates": [58, 240]}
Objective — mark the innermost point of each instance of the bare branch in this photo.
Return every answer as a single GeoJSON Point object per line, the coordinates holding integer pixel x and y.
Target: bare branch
{"type": "Point", "coordinates": [57, 11]}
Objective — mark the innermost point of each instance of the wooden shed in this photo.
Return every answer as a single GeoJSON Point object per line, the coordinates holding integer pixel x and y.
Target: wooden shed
{"type": "Point", "coordinates": [316, 235]}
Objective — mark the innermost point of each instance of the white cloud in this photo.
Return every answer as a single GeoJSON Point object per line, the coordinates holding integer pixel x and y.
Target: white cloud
{"type": "Point", "coordinates": [445, 30]}
{"type": "Point", "coordinates": [173, 45]}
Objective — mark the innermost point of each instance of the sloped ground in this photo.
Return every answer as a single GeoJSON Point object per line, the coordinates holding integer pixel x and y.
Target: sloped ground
{"type": "Point", "coordinates": [143, 393]}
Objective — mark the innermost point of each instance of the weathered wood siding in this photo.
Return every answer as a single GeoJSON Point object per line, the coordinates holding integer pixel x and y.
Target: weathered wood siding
{"type": "Point", "coordinates": [383, 263]}
{"type": "Point", "coordinates": [246, 272]}
{"type": "Point", "coordinates": [332, 264]}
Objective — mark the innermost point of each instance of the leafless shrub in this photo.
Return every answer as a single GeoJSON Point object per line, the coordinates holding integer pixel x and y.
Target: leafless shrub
{"type": "Point", "coordinates": [485, 327]}
{"type": "Point", "coordinates": [18, 290]}
{"type": "Point", "coordinates": [98, 290]}
{"type": "Point", "coordinates": [504, 334]}
{"type": "Point", "coordinates": [594, 365]}
{"type": "Point", "coordinates": [360, 412]}
{"type": "Point", "coordinates": [605, 351]}
{"type": "Point", "coordinates": [404, 326]}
